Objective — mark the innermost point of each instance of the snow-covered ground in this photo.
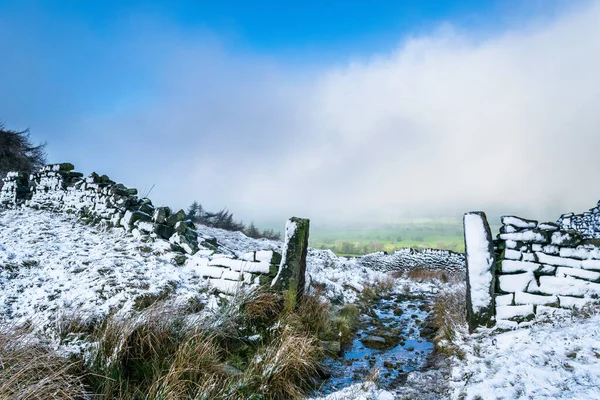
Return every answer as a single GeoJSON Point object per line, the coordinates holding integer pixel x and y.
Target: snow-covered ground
{"type": "Point", "coordinates": [557, 359]}
{"type": "Point", "coordinates": [52, 265]}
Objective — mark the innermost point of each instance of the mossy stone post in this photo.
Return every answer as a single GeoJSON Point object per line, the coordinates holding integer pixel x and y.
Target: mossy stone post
{"type": "Point", "coordinates": [291, 278]}
{"type": "Point", "coordinates": [481, 270]}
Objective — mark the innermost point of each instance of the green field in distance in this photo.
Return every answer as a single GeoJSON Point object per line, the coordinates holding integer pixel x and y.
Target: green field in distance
{"type": "Point", "coordinates": [359, 239]}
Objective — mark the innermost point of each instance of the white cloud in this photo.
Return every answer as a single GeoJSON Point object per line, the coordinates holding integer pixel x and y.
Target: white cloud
{"type": "Point", "coordinates": [447, 122]}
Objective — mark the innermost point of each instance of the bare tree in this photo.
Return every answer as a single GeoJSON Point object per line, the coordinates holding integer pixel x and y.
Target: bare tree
{"type": "Point", "coordinates": [18, 153]}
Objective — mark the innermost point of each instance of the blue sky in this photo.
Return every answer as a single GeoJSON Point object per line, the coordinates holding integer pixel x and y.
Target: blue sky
{"type": "Point", "coordinates": [294, 104]}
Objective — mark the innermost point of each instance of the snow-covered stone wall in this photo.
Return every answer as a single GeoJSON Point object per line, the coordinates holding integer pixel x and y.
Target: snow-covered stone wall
{"type": "Point", "coordinates": [15, 187]}
{"type": "Point", "coordinates": [406, 259]}
{"type": "Point", "coordinates": [541, 268]}
{"type": "Point", "coordinates": [228, 274]}
{"type": "Point", "coordinates": [587, 223]}
{"type": "Point", "coordinates": [99, 200]}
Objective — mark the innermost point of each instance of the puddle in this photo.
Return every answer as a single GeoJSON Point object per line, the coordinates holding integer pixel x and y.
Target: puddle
{"type": "Point", "coordinates": [396, 327]}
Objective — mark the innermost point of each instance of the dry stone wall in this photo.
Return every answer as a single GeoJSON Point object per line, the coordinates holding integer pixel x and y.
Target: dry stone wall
{"type": "Point", "coordinates": [228, 274]}
{"type": "Point", "coordinates": [541, 268]}
{"type": "Point", "coordinates": [99, 200]}
{"type": "Point", "coordinates": [588, 223]}
{"type": "Point", "coordinates": [406, 259]}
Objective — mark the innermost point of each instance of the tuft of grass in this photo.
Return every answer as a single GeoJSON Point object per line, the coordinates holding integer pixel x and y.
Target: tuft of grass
{"type": "Point", "coordinates": [131, 354]}
{"type": "Point", "coordinates": [449, 319]}
{"type": "Point", "coordinates": [345, 323]}
{"type": "Point", "coordinates": [313, 314]}
{"type": "Point", "coordinates": [33, 371]}
{"type": "Point", "coordinates": [196, 371]}
{"type": "Point", "coordinates": [282, 370]}
{"type": "Point", "coordinates": [377, 289]}
{"type": "Point", "coordinates": [262, 308]}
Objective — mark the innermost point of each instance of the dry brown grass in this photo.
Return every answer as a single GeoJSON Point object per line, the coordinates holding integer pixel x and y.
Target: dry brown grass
{"type": "Point", "coordinates": [196, 371]}
{"type": "Point", "coordinates": [425, 275]}
{"type": "Point", "coordinates": [449, 317]}
{"type": "Point", "coordinates": [313, 312]}
{"type": "Point", "coordinates": [262, 307]}
{"type": "Point", "coordinates": [33, 371]}
{"type": "Point", "coordinates": [282, 370]}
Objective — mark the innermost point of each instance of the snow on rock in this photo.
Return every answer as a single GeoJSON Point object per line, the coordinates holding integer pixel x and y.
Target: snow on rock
{"type": "Point", "coordinates": [480, 268]}
{"type": "Point", "coordinates": [511, 266]}
{"type": "Point", "coordinates": [510, 312]}
{"type": "Point", "coordinates": [518, 222]}
{"type": "Point", "coordinates": [529, 236]}
{"type": "Point", "coordinates": [515, 282]}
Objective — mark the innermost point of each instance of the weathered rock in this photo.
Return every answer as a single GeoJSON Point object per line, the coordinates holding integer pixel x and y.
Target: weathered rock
{"type": "Point", "coordinates": [187, 243]}
{"type": "Point", "coordinates": [292, 270]}
{"type": "Point", "coordinates": [160, 215]}
{"type": "Point", "coordinates": [374, 342]}
{"type": "Point", "coordinates": [65, 167]}
{"type": "Point", "coordinates": [119, 189]}
{"type": "Point", "coordinates": [175, 218]}
{"type": "Point", "coordinates": [163, 231]}
{"type": "Point", "coordinates": [147, 208]}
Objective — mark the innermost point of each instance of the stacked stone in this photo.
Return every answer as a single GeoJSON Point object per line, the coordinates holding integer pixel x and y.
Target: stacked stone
{"type": "Point", "coordinates": [15, 189]}
{"type": "Point", "coordinates": [229, 275]}
{"type": "Point", "coordinates": [540, 267]}
{"type": "Point", "coordinates": [588, 223]}
{"type": "Point", "coordinates": [406, 259]}
{"type": "Point", "coordinates": [98, 199]}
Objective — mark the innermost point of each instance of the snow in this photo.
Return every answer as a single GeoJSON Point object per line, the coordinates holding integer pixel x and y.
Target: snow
{"type": "Point", "coordinates": [508, 312]}
{"type": "Point", "coordinates": [359, 391]}
{"type": "Point", "coordinates": [504, 299]}
{"type": "Point", "coordinates": [509, 266]}
{"type": "Point", "coordinates": [511, 254]}
{"type": "Point", "coordinates": [518, 222]}
{"type": "Point", "coordinates": [535, 299]}
{"type": "Point", "coordinates": [290, 230]}
{"type": "Point", "coordinates": [557, 360]}
{"type": "Point", "coordinates": [581, 253]}
{"type": "Point", "coordinates": [51, 262]}
{"type": "Point", "coordinates": [524, 236]}
{"type": "Point", "coordinates": [515, 282]}
{"type": "Point", "coordinates": [548, 226]}
{"type": "Point", "coordinates": [568, 262]}
{"type": "Point", "coordinates": [578, 273]}
{"type": "Point", "coordinates": [567, 286]}
{"type": "Point", "coordinates": [479, 261]}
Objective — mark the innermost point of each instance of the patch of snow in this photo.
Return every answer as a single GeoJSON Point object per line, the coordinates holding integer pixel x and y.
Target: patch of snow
{"type": "Point", "coordinates": [558, 360]}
